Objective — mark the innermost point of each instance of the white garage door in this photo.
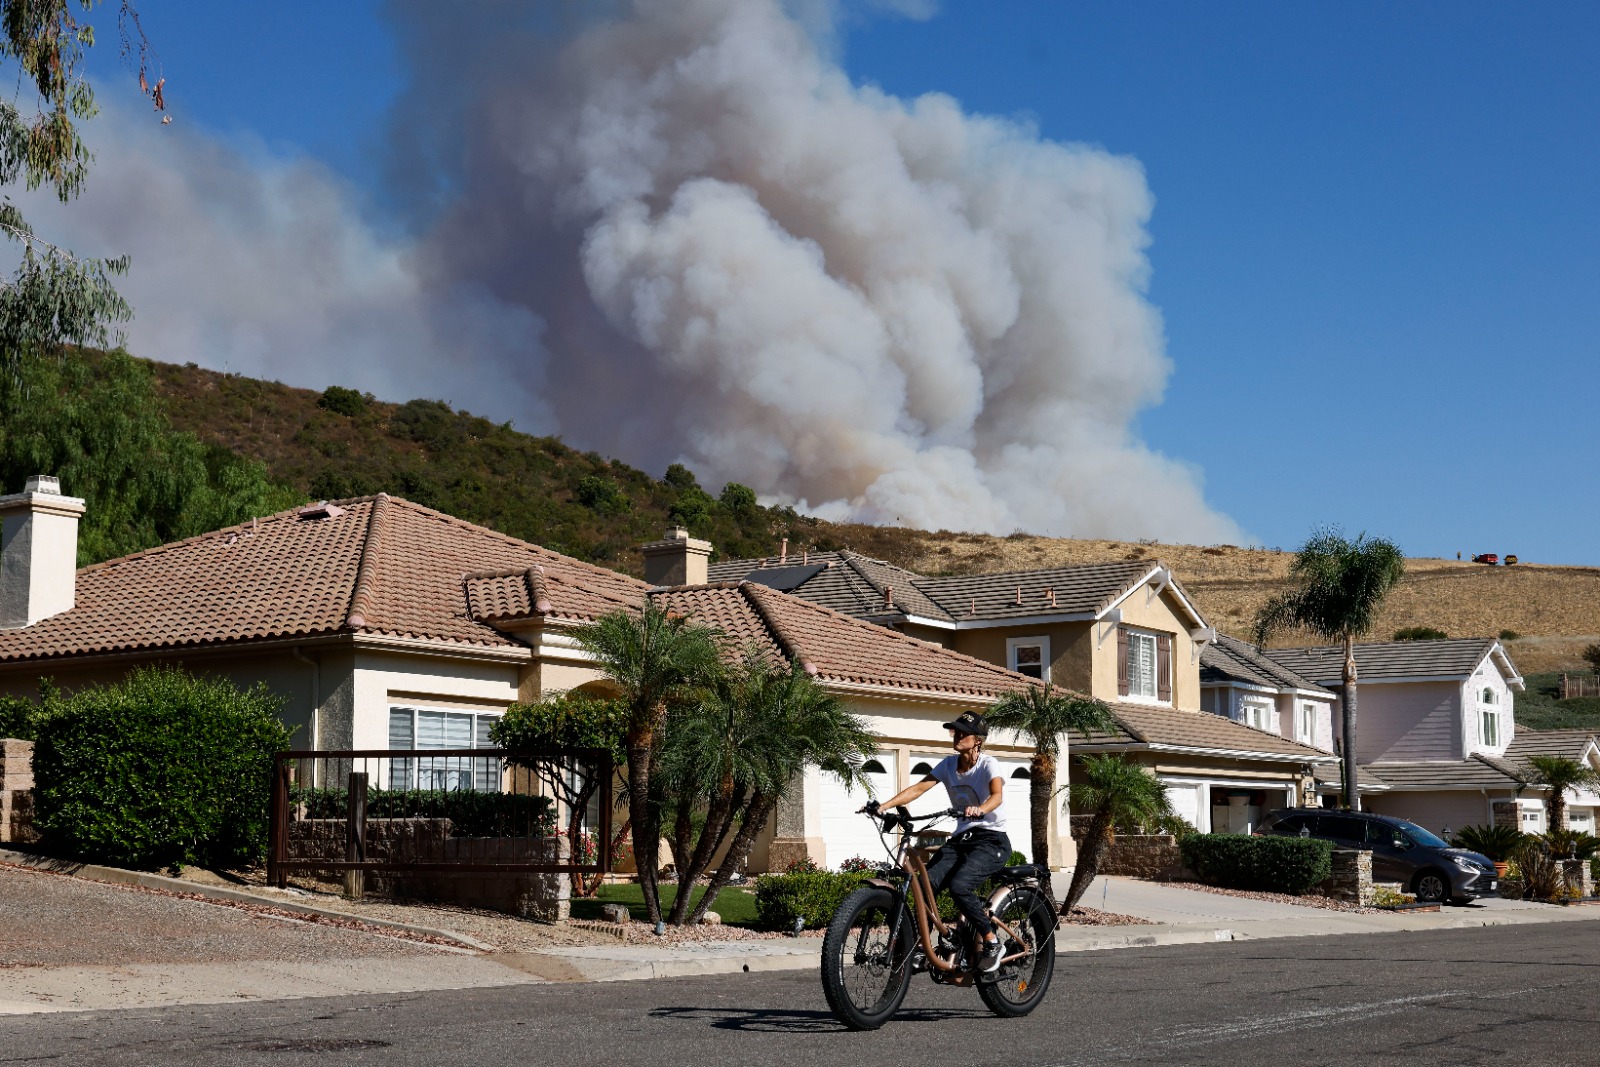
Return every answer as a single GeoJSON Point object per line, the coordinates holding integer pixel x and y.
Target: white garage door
{"type": "Point", "coordinates": [1185, 801]}
{"type": "Point", "coordinates": [1018, 818]}
{"type": "Point", "coordinates": [844, 832]}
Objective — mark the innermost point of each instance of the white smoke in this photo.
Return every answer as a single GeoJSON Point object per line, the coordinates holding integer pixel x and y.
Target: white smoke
{"type": "Point", "coordinates": [682, 232]}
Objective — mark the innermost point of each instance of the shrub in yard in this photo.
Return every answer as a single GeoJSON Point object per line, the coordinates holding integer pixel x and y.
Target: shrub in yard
{"type": "Point", "coordinates": [1293, 865]}
{"type": "Point", "coordinates": [163, 768]}
{"type": "Point", "coordinates": [18, 718]}
{"type": "Point", "coordinates": [811, 896]}
{"type": "Point", "coordinates": [1499, 843]}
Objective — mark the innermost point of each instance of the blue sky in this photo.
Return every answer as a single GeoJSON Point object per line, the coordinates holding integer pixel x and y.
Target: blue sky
{"type": "Point", "coordinates": [1375, 245]}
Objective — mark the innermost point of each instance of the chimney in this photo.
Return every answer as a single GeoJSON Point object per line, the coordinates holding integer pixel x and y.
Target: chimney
{"type": "Point", "coordinates": [38, 552]}
{"type": "Point", "coordinates": [676, 559]}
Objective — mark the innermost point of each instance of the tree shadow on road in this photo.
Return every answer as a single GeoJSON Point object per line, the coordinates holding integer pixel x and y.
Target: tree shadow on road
{"type": "Point", "coordinates": [787, 1021]}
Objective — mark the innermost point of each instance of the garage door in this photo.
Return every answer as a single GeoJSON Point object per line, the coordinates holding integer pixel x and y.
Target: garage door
{"type": "Point", "coordinates": [1016, 803]}
{"type": "Point", "coordinates": [844, 832]}
{"type": "Point", "coordinates": [1185, 801]}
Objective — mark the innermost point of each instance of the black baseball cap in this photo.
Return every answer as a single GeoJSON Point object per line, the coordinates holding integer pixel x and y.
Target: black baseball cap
{"type": "Point", "coordinates": [968, 722]}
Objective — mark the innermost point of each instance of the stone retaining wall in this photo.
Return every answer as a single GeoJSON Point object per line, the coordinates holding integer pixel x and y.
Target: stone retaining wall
{"type": "Point", "coordinates": [16, 792]}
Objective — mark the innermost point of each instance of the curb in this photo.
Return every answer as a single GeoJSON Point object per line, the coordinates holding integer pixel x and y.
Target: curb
{"type": "Point", "coordinates": [118, 876]}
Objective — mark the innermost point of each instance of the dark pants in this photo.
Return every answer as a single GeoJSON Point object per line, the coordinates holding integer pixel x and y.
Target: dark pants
{"type": "Point", "coordinates": [963, 864]}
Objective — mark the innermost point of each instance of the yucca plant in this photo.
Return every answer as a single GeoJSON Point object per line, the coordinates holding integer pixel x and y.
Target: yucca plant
{"type": "Point", "coordinates": [1572, 844]}
{"type": "Point", "coordinates": [1543, 875]}
{"type": "Point", "coordinates": [1499, 843]}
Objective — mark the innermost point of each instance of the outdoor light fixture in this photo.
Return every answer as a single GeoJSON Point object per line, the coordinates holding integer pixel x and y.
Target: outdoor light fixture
{"type": "Point", "coordinates": [1305, 831]}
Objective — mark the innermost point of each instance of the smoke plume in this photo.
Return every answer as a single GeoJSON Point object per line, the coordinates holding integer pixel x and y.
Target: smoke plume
{"type": "Point", "coordinates": [681, 232]}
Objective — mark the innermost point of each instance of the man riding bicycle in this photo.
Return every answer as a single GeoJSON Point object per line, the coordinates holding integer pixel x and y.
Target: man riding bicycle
{"type": "Point", "coordinates": [979, 847]}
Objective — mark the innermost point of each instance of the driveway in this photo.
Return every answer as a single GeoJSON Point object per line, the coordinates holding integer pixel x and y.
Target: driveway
{"type": "Point", "coordinates": [1169, 905]}
{"type": "Point", "coordinates": [69, 943]}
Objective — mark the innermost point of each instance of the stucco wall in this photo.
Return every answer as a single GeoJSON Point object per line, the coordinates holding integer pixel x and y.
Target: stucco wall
{"type": "Point", "coordinates": [1145, 610]}
{"type": "Point", "coordinates": [1436, 810]}
{"type": "Point", "coordinates": [1070, 660]}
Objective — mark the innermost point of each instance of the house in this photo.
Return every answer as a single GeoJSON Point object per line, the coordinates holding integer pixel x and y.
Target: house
{"type": "Point", "coordinates": [1583, 805]}
{"type": "Point", "coordinates": [1126, 633]}
{"type": "Point", "coordinates": [1434, 725]}
{"type": "Point", "coordinates": [384, 624]}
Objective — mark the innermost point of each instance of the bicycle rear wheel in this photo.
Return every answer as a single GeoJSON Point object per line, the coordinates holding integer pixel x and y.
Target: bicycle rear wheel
{"type": "Point", "coordinates": [1020, 986]}
{"type": "Point", "coordinates": [866, 965]}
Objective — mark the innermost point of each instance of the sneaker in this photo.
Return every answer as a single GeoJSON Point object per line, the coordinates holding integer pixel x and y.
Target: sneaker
{"type": "Point", "coordinates": [989, 958]}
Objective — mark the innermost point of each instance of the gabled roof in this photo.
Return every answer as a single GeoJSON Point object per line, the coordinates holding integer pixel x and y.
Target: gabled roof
{"type": "Point", "coordinates": [872, 589]}
{"type": "Point", "coordinates": [373, 565]}
{"type": "Point", "coordinates": [1331, 774]}
{"type": "Point", "coordinates": [833, 647]}
{"type": "Point", "coordinates": [1227, 659]}
{"type": "Point", "coordinates": [1155, 727]}
{"type": "Point", "coordinates": [1394, 660]}
{"type": "Point", "coordinates": [1568, 744]}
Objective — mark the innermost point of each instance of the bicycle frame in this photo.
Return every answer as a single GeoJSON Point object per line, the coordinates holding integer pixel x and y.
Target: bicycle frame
{"type": "Point", "coordinates": [927, 908]}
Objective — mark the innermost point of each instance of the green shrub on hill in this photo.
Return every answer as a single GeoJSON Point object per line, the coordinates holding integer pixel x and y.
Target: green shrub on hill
{"type": "Point", "coordinates": [162, 768]}
{"type": "Point", "coordinates": [327, 446]}
{"type": "Point", "coordinates": [1419, 633]}
{"type": "Point", "coordinates": [95, 421]}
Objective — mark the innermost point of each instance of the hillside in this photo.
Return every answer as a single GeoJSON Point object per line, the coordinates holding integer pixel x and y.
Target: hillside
{"type": "Point", "coordinates": [343, 444]}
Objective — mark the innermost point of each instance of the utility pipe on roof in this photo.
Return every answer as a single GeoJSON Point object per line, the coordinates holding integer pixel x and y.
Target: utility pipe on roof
{"type": "Point", "coordinates": [316, 693]}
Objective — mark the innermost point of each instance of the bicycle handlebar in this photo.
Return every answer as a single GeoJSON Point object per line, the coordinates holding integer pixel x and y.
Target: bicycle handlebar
{"type": "Point", "coordinates": [903, 817]}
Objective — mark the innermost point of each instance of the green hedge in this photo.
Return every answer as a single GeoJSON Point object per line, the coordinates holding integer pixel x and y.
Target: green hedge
{"type": "Point", "coordinates": [1292, 865]}
{"type": "Point", "coordinates": [161, 769]}
{"type": "Point", "coordinates": [471, 813]}
{"type": "Point", "coordinates": [812, 896]}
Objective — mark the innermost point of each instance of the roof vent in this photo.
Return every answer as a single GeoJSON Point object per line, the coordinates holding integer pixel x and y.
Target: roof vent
{"type": "Point", "coordinates": [320, 510]}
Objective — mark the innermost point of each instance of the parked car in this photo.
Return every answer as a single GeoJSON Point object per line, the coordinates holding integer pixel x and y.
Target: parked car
{"type": "Point", "coordinates": [1401, 851]}
{"type": "Point", "coordinates": [1491, 558]}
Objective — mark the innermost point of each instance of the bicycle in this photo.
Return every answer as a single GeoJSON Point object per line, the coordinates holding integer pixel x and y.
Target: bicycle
{"type": "Point", "coordinates": [890, 929]}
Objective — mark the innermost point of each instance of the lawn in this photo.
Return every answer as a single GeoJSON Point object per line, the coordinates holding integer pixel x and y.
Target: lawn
{"type": "Point", "coordinates": [736, 906]}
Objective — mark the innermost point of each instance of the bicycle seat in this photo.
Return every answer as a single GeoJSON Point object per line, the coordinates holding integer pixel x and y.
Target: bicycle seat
{"type": "Point", "coordinates": [1023, 872]}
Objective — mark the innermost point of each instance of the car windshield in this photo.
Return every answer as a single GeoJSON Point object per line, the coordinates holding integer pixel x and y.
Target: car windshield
{"type": "Point", "coordinates": [1421, 836]}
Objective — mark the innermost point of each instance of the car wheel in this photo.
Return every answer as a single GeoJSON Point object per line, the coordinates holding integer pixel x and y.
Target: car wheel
{"type": "Point", "coordinates": [1431, 887]}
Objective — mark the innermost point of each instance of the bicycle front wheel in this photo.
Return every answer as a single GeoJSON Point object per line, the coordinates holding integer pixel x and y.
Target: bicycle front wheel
{"type": "Point", "coordinates": [866, 965]}
{"type": "Point", "coordinates": [1020, 985]}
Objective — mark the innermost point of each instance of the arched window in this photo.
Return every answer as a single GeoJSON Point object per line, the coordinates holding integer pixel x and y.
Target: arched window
{"type": "Point", "coordinates": [1488, 695]}
{"type": "Point", "coordinates": [872, 766]}
{"type": "Point", "coordinates": [1021, 772]}
{"type": "Point", "coordinates": [924, 768]}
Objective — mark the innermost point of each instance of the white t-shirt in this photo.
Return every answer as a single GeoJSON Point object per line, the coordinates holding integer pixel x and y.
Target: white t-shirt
{"type": "Point", "coordinates": [970, 790]}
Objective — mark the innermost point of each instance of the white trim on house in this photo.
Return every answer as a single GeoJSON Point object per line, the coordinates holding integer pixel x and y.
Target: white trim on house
{"type": "Point", "coordinates": [1042, 643]}
{"type": "Point", "coordinates": [1167, 582]}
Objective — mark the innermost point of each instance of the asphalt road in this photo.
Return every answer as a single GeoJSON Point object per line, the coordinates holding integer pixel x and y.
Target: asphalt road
{"type": "Point", "coordinates": [1528, 994]}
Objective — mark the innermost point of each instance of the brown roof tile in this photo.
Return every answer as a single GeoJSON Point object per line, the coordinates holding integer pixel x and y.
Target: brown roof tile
{"type": "Point", "coordinates": [375, 564]}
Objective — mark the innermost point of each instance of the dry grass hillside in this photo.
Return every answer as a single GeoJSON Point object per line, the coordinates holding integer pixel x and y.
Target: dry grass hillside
{"type": "Point", "coordinates": [1555, 610]}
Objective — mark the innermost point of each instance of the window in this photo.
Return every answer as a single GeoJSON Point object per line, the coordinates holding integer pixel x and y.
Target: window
{"type": "Point", "coordinates": [1142, 665]}
{"type": "Point", "coordinates": [1256, 715]}
{"type": "Point", "coordinates": [1488, 696]}
{"type": "Point", "coordinates": [1305, 723]}
{"type": "Point", "coordinates": [1030, 656]}
{"type": "Point", "coordinates": [1491, 728]}
{"type": "Point", "coordinates": [423, 728]}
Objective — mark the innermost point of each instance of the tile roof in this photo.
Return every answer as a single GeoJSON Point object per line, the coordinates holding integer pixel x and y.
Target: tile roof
{"type": "Point", "coordinates": [1454, 658]}
{"type": "Point", "coordinates": [857, 585]}
{"type": "Point", "coordinates": [1144, 724]}
{"type": "Point", "coordinates": [1475, 772]}
{"type": "Point", "coordinates": [835, 647]}
{"type": "Point", "coordinates": [1571, 744]}
{"type": "Point", "coordinates": [1229, 659]}
{"type": "Point", "coordinates": [378, 565]}
{"type": "Point", "coordinates": [1332, 774]}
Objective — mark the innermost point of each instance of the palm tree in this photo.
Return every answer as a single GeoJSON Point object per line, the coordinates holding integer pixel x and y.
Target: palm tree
{"type": "Point", "coordinates": [1113, 790]}
{"type": "Point", "coordinates": [1043, 714]}
{"type": "Point", "coordinates": [657, 660]}
{"type": "Point", "coordinates": [1338, 585]}
{"type": "Point", "coordinates": [732, 757]}
{"type": "Point", "coordinates": [1558, 774]}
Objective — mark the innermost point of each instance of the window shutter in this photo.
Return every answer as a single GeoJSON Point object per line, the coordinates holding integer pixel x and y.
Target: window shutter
{"type": "Point", "coordinates": [1122, 662]}
{"type": "Point", "coordinates": [1163, 667]}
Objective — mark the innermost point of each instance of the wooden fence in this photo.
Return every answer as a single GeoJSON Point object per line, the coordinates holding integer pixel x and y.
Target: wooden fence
{"type": "Point", "coordinates": [1579, 685]}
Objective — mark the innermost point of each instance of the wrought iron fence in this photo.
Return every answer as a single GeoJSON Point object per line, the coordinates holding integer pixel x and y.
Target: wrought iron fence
{"type": "Point", "coordinates": [440, 811]}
